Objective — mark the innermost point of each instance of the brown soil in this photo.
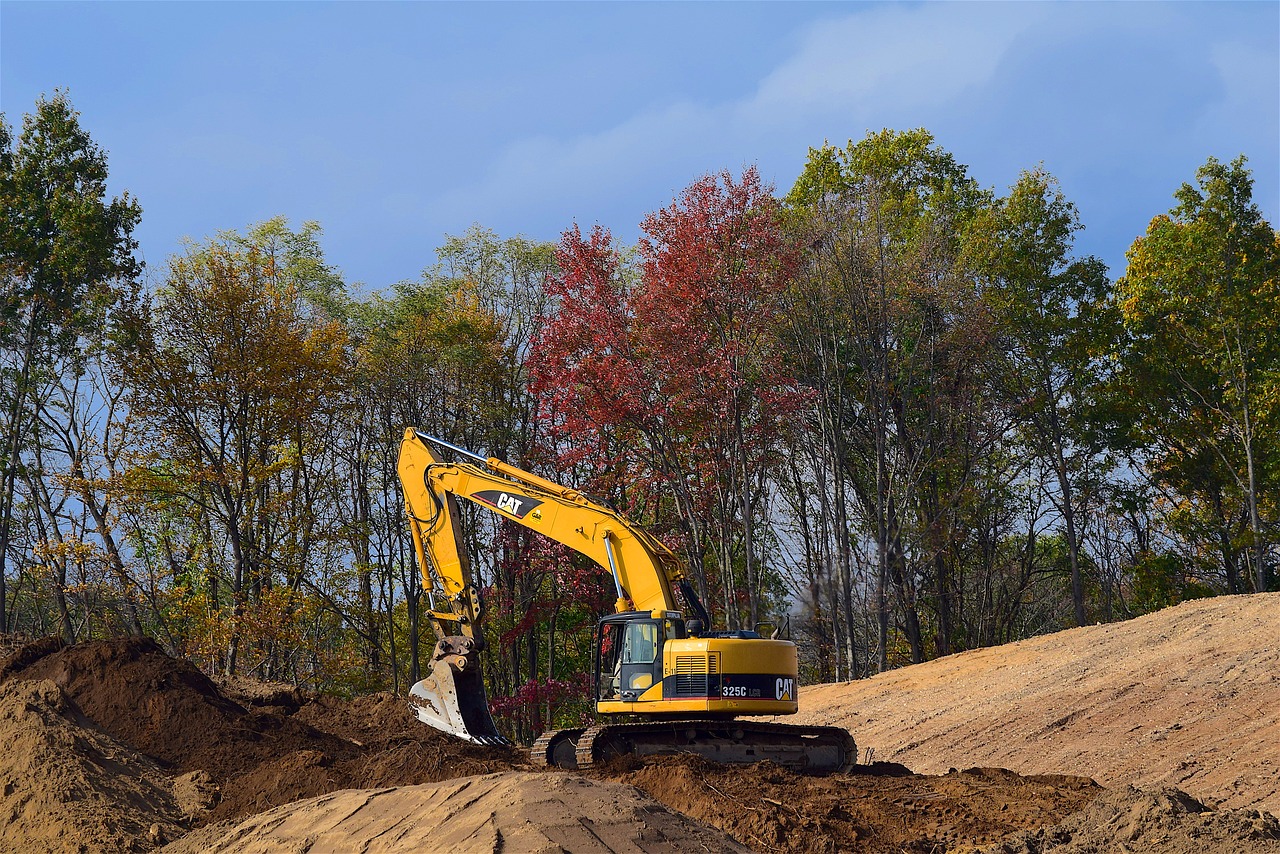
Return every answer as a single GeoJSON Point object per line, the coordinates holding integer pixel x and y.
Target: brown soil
{"type": "Point", "coordinates": [65, 786]}
{"type": "Point", "coordinates": [878, 808]}
{"type": "Point", "coordinates": [171, 711]}
{"type": "Point", "coordinates": [259, 757]}
{"type": "Point", "coordinates": [1186, 697]}
{"type": "Point", "coordinates": [118, 747]}
{"type": "Point", "coordinates": [1162, 822]}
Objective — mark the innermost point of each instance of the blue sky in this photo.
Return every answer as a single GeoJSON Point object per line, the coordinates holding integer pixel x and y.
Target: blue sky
{"type": "Point", "coordinates": [395, 124]}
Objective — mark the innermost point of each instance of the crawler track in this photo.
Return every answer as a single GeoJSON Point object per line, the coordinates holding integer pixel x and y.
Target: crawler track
{"type": "Point", "coordinates": [813, 749]}
{"type": "Point", "coordinates": [556, 748]}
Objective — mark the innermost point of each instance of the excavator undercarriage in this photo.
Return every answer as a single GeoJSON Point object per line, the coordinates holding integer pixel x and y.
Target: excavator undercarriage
{"type": "Point", "coordinates": [814, 750]}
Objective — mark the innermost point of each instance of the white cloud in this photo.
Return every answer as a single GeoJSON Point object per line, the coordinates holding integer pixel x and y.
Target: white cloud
{"type": "Point", "coordinates": [885, 60]}
{"type": "Point", "coordinates": [894, 55]}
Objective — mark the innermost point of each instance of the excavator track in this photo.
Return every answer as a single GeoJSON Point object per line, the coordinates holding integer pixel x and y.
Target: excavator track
{"type": "Point", "coordinates": [556, 748]}
{"type": "Point", "coordinates": [812, 749]}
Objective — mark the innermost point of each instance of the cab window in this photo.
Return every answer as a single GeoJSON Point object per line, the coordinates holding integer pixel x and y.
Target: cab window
{"type": "Point", "coordinates": [610, 661]}
{"type": "Point", "coordinates": [641, 642]}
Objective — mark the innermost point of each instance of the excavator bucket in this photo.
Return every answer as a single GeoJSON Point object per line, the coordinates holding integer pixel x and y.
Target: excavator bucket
{"type": "Point", "coordinates": [452, 699]}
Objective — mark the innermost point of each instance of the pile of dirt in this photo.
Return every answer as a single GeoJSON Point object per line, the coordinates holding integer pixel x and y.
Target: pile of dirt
{"type": "Point", "coordinates": [276, 747]}
{"type": "Point", "coordinates": [876, 808]}
{"type": "Point", "coordinates": [66, 786]}
{"type": "Point", "coordinates": [513, 811]}
{"type": "Point", "coordinates": [383, 745]}
{"type": "Point", "coordinates": [1187, 697]}
{"type": "Point", "coordinates": [171, 711]}
{"type": "Point", "coordinates": [1163, 822]}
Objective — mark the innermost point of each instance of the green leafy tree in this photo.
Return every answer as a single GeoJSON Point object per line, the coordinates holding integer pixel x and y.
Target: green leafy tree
{"type": "Point", "coordinates": [894, 338]}
{"type": "Point", "coordinates": [66, 257]}
{"type": "Point", "coordinates": [1200, 367]}
{"type": "Point", "coordinates": [1053, 337]}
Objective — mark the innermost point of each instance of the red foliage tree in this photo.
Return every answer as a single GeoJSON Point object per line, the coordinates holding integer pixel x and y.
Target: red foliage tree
{"type": "Point", "coordinates": [666, 371]}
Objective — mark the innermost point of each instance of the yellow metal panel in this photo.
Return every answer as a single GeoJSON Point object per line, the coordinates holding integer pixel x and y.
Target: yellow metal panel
{"type": "Point", "coordinates": [736, 655]}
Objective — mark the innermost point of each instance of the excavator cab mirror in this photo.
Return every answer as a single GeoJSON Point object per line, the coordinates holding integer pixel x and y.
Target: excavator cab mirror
{"type": "Point", "coordinates": [775, 629]}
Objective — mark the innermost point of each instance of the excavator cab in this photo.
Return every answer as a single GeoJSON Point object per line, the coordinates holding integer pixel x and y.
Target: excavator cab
{"type": "Point", "coordinates": [629, 652]}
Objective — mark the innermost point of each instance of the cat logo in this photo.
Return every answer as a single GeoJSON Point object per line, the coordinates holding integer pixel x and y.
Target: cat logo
{"type": "Point", "coordinates": [784, 689]}
{"type": "Point", "coordinates": [518, 506]}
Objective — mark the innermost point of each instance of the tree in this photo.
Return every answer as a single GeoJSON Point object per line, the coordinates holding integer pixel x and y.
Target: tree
{"type": "Point", "coordinates": [715, 265]}
{"type": "Point", "coordinates": [239, 385]}
{"type": "Point", "coordinates": [447, 355]}
{"type": "Point", "coordinates": [1049, 317]}
{"type": "Point", "coordinates": [672, 364]}
{"type": "Point", "coordinates": [66, 256]}
{"type": "Point", "coordinates": [1200, 366]}
{"type": "Point", "coordinates": [894, 336]}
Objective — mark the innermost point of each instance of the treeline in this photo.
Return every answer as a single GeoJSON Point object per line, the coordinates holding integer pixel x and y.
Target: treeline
{"type": "Point", "coordinates": [890, 407]}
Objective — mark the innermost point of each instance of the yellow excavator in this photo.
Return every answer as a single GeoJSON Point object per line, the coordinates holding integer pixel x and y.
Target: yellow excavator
{"type": "Point", "coordinates": [663, 684]}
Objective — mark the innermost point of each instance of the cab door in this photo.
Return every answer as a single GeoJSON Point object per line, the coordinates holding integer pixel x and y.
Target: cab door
{"type": "Point", "coordinates": [641, 663]}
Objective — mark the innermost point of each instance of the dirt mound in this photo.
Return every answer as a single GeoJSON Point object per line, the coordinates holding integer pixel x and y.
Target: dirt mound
{"type": "Point", "coordinates": [398, 749]}
{"type": "Point", "coordinates": [277, 747]}
{"type": "Point", "coordinates": [171, 711]}
{"type": "Point", "coordinates": [383, 744]}
{"type": "Point", "coordinates": [1187, 697]}
{"type": "Point", "coordinates": [547, 812]}
{"type": "Point", "coordinates": [65, 786]}
{"type": "Point", "coordinates": [255, 693]}
{"type": "Point", "coordinates": [1165, 822]}
{"type": "Point", "coordinates": [21, 654]}
{"type": "Point", "coordinates": [877, 808]}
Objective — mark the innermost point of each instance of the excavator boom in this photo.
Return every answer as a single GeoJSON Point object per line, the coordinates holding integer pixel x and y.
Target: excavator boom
{"type": "Point", "coordinates": [452, 698]}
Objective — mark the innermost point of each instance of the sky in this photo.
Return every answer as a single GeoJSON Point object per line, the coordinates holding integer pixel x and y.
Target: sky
{"type": "Point", "coordinates": [396, 124]}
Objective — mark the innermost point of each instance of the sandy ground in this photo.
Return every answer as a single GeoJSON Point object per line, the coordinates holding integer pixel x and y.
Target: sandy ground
{"type": "Point", "coordinates": [1186, 697]}
{"type": "Point", "coordinates": [512, 811]}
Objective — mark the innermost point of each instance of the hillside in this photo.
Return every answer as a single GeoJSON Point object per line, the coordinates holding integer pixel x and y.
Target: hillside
{"type": "Point", "coordinates": [1186, 697]}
